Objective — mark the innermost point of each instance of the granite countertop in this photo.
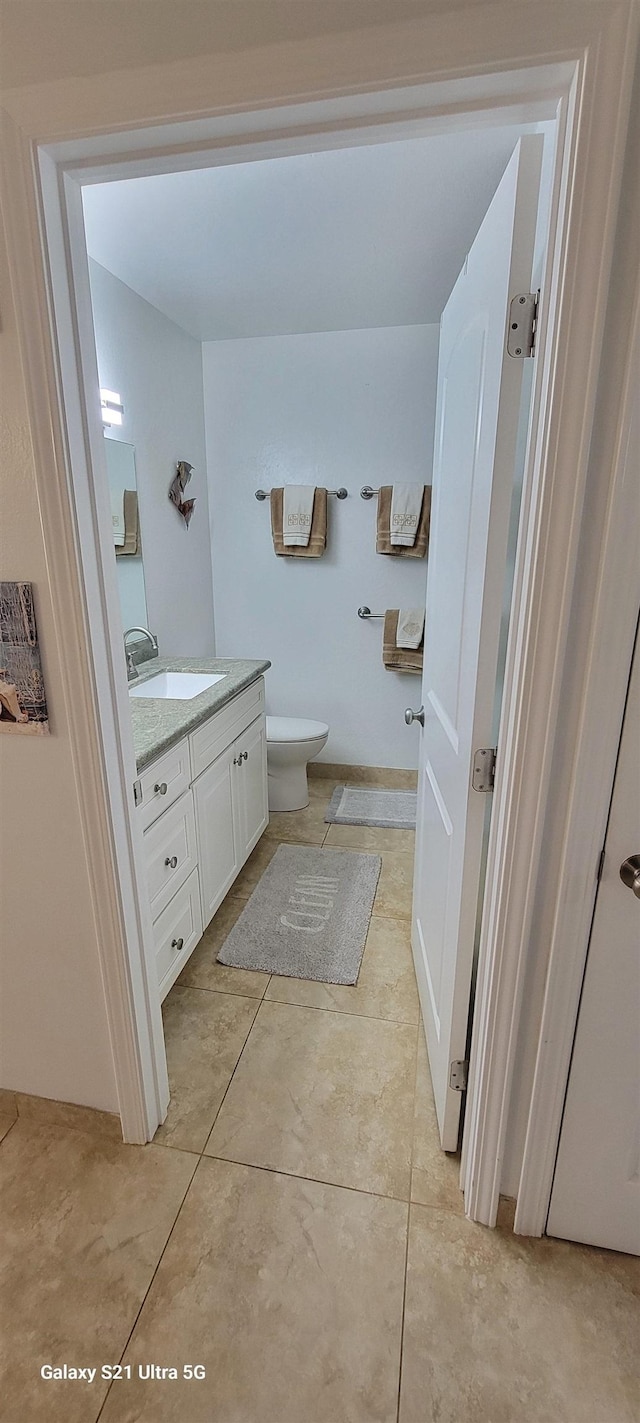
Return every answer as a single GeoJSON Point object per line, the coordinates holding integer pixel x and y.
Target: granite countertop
{"type": "Point", "coordinates": [159, 722]}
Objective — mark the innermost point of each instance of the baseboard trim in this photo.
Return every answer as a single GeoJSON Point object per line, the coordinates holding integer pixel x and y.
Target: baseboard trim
{"type": "Point", "coordinates": [49, 1112]}
{"type": "Point", "coordinates": [391, 777]}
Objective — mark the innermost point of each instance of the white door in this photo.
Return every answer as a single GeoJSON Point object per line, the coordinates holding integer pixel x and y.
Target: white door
{"type": "Point", "coordinates": [596, 1188]}
{"type": "Point", "coordinates": [477, 416]}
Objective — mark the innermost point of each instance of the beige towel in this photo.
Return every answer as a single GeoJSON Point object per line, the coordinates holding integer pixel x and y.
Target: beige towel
{"type": "Point", "coordinates": [383, 538]}
{"type": "Point", "coordinates": [131, 543]}
{"type": "Point", "coordinates": [318, 536]}
{"type": "Point", "coordinates": [398, 659]}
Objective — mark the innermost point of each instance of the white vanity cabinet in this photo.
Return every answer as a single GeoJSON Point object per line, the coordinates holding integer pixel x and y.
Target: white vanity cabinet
{"type": "Point", "coordinates": [203, 806]}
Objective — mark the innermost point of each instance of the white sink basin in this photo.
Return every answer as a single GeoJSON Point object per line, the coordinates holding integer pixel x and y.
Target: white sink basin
{"type": "Point", "coordinates": [177, 686]}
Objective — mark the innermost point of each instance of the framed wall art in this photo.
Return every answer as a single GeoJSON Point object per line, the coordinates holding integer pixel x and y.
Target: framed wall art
{"type": "Point", "coordinates": [23, 703]}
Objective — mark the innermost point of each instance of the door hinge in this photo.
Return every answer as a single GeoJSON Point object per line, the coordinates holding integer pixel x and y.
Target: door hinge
{"type": "Point", "coordinates": [137, 793]}
{"type": "Point", "coordinates": [523, 320]}
{"type": "Point", "coordinates": [458, 1074]}
{"type": "Point", "coordinates": [483, 775]}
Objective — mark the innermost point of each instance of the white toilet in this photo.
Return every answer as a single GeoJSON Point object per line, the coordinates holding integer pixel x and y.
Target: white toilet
{"type": "Point", "coordinates": [291, 743]}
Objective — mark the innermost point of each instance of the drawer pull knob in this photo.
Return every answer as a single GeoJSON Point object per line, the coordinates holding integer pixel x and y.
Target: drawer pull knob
{"type": "Point", "coordinates": [244, 756]}
{"type": "Point", "coordinates": [160, 788]}
{"type": "Point", "coordinates": [171, 861]}
{"type": "Point", "coordinates": [177, 944]}
{"type": "Point", "coordinates": [237, 760]}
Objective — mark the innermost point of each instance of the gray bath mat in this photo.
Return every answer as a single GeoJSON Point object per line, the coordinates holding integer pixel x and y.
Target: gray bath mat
{"type": "Point", "coordinates": [308, 917]}
{"type": "Point", "coordinates": [366, 805]}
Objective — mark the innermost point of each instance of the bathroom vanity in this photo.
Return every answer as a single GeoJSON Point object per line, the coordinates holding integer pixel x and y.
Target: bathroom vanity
{"type": "Point", "coordinates": [201, 793]}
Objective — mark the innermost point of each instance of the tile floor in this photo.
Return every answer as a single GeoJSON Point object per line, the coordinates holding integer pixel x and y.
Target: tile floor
{"type": "Point", "coordinates": [294, 1226]}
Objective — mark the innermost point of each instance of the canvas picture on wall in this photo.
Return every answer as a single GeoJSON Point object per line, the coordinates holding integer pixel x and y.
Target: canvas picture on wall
{"type": "Point", "coordinates": [23, 704]}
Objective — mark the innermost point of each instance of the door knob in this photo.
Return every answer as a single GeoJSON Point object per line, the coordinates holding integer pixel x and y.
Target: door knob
{"type": "Point", "coordinates": [630, 873]}
{"type": "Point", "coordinates": [410, 716]}
{"type": "Point", "coordinates": [171, 862]}
{"type": "Point", "coordinates": [160, 788]}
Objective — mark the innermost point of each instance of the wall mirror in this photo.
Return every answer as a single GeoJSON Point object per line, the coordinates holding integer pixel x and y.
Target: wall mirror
{"type": "Point", "coordinates": [121, 470]}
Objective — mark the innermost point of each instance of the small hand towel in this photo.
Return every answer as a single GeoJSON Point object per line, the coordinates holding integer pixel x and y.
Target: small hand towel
{"type": "Point", "coordinates": [406, 505]}
{"type": "Point", "coordinates": [297, 514]}
{"type": "Point", "coordinates": [410, 627]}
{"type": "Point", "coordinates": [318, 536]}
{"type": "Point", "coordinates": [131, 543]}
{"type": "Point", "coordinates": [383, 532]}
{"type": "Point", "coordinates": [397, 659]}
{"type": "Point", "coordinates": [117, 518]}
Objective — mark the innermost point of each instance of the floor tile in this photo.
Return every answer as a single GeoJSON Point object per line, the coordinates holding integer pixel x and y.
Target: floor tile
{"type": "Point", "coordinates": [202, 970]}
{"type": "Point", "coordinates": [435, 1176]}
{"type": "Point", "coordinates": [370, 837]}
{"type": "Point", "coordinates": [255, 867]}
{"type": "Point", "coordinates": [290, 1295]}
{"type": "Point", "coordinates": [386, 986]}
{"type": "Point", "coordinates": [85, 1221]}
{"type": "Point", "coordinates": [204, 1035]}
{"type": "Point", "coordinates": [395, 886]}
{"type": "Point", "coordinates": [306, 827]}
{"type": "Point", "coordinates": [501, 1329]}
{"type": "Point", "coordinates": [6, 1124]}
{"type": "Point", "coordinates": [323, 1095]}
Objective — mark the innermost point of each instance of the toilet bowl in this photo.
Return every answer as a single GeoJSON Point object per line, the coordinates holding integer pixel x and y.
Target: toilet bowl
{"type": "Point", "coordinates": [291, 743]}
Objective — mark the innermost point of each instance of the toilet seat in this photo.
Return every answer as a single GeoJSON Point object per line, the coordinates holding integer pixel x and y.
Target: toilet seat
{"type": "Point", "coordinates": [283, 729]}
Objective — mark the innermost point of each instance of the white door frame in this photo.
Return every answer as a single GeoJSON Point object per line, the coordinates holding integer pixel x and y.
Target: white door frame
{"type": "Point", "coordinates": [437, 73]}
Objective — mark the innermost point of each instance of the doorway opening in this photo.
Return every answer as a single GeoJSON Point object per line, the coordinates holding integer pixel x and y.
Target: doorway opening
{"type": "Point", "coordinates": [208, 298]}
{"type": "Point", "coordinates": [81, 568]}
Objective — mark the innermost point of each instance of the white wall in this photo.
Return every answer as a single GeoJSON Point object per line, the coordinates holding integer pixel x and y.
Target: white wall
{"type": "Point", "coordinates": [53, 1026]}
{"type": "Point", "coordinates": [157, 370]}
{"type": "Point", "coordinates": [329, 408]}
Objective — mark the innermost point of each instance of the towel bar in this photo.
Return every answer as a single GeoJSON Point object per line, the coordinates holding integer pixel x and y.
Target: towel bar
{"type": "Point", "coordinates": [339, 493]}
{"type": "Point", "coordinates": [367, 613]}
{"type": "Point", "coordinates": [368, 493]}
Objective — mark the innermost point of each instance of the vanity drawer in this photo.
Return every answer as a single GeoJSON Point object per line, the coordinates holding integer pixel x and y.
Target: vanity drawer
{"type": "Point", "coordinates": [211, 739]}
{"type": "Point", "coordinates": [170, 852]}
{"type": "Point", "coordinates": [176, 932]}
{"type": "Point", "coordinates": [163, 782]}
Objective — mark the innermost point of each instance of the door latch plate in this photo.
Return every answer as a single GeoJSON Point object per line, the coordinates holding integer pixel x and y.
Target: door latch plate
{"type": "Point", "coordinates": [483, 774]}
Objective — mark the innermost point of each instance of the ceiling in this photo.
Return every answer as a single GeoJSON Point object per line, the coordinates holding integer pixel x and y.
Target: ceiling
{"type": "Point", "coordinates": [340, 240]}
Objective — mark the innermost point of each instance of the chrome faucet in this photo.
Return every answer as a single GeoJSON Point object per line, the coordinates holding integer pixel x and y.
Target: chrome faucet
{"type": "Point", "coordinates": [132, 670]}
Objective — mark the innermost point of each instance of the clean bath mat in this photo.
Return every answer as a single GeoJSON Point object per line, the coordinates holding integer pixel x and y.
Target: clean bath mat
{"type": "Point", "coordinates": [366, 805]}
{"type": "Point", "coordinates": [308, 917]}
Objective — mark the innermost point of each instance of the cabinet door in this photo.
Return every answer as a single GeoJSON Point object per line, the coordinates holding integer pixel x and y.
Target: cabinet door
{"type": "Point", "coordinates": [218, 859]}
{"type": "Point", "coordinates": [250, 787]}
